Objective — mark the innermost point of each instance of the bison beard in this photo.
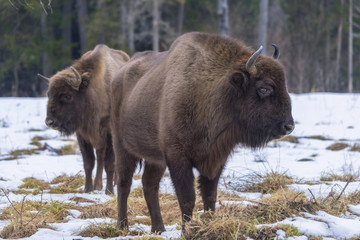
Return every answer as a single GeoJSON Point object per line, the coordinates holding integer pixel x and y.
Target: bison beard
{"type": "Point", "coordinates": [79, 101]}
{"type": "Point", "coordinates": [188, 107]}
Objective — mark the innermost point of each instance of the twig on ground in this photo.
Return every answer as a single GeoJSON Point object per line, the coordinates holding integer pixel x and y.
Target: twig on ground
{"type": "Point", "coordinates": [337, 199]}
{"type": "Point", "coordinates": [313, 197]}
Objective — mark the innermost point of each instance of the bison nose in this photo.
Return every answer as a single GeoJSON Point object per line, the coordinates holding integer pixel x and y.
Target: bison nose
{"type": "Point", "coordinates": [288, 126]}
{"type": "Point", "coordinates": [49, 122]}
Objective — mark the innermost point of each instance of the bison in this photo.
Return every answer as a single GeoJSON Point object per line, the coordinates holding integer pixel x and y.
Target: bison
{"type": "Point", "coordinates": [187, 108]}
{"type": "Point", "coordinates": [79, 101]}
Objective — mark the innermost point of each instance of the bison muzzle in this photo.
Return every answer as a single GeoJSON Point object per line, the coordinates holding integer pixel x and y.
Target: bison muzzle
{"type": "Point", "coordinates": [187, 108]}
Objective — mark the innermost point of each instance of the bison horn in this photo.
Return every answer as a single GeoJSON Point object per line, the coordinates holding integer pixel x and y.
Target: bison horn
{"type": "Point", "coordinates": [44, 78]}
{"type": "Point", "coordinates": [276, 54]}
{"type": "Point", "coordinates": [76, 84]}
{"type": "Point", "coordinates": [250, 67]}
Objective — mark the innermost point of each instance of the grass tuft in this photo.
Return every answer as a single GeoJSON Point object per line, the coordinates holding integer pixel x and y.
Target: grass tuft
{"type": "Point", "coordinates": [67, 184]}
{"type": "Point", "coordinates": [33, 183]}
{"type": "Point", "coordinates": [355, 148]}
{"type": "Point", "coordinates": [267, 183]}
{"type": "Point", "coordinates": [105, 230]}
{"type": "Point", "coordinates": [288, 138]}
{"type": "Point", "coordinates": [337, 146]}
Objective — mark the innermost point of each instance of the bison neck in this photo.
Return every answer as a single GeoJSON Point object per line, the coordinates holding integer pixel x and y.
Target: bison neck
{"type": "Point", "coordinates": [95, 125]}
{"type": "Point", "coordinates": [218, 150]}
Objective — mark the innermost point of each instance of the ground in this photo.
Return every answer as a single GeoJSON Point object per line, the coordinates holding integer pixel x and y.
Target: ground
{"type": "Point", "coordinates": [309, 181]}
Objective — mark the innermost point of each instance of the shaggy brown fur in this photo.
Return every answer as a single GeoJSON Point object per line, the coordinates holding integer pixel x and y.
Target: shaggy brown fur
{"type": "Point", "coordinates": [187, 108]}
{"type": "Point", "coordinates": [83, 106]}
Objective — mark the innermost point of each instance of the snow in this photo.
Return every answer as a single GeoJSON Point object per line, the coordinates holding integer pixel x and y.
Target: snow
{"type": "Point", "coordinates": [333, 116]}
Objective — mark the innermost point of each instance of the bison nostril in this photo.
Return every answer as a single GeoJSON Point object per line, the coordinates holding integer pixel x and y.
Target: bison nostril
{"type": "Point", "coordinates": [289, 127]}
{"type": "Point", "coordinates": [49, 122]}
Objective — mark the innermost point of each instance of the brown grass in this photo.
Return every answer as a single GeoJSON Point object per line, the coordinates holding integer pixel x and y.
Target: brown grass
{"type": "Point", "coordinates": [67, 184]}
{"type": "Point", "coordinates": [318, 137]}
{"type": "Point", "coordinates": [267, 183]}
{"type": "Point", "coordinates": [288, 138]}
{"type": "Point", "coordinates": [330, 176]}
{"type": "Point", "coordinates": [355, 148]}
{"type": "Point", "coordinates": [33, 183]}
{"type": "Point", "coordinates": [337, 146]}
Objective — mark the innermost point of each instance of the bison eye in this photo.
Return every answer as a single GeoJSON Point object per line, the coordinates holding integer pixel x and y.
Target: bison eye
{"type": "Point", "coordinates": [66, 98]}
{"type": "Point", "coordinates": [264, 92]}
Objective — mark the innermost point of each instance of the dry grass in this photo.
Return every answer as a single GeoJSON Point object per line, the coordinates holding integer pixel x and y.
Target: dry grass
{"type": "Point", "coordinates": [27, 216]}
{"type": "Point", "coordinates": [107, 230]}
{"type": "Point", "coordinates": [68, 149]}
{"type": "Point", "coordinates": [318, 137]}
{"type": "Point", "coordinates": [106, 210]}
{"type": "Point", "coordinates": [355, 148]}
{"type": "Point", "coordinates": [67, 184]}
{"type": "Point", "coordinates": [266, 183]}
{"type": "Point", "coordinates": [102, 230]}
{"type": "Point", "coordinates": [337, 146]}
{"type": "Point", "coordinates": [328, 177]}
{"type": "Point", "coordinates": [288, 138]}
{"type": "Point", "coordinates": [33, 183]}
{"type": "Point", "coordinates": [354, 198]}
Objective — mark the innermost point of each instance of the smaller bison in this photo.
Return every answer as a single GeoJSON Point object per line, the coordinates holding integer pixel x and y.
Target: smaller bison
{"type": "Point", "coordinates": [188, 108]}
{"type": "Point", "coordinates": [79, 101]}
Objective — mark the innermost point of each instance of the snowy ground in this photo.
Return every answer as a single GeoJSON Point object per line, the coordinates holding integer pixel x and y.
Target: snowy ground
{"type": "Point", "coordinates": [333, 116]}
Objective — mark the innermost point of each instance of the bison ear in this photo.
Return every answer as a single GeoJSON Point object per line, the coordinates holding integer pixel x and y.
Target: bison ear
{"type": "Point", "coordinates": [47, 80]}
{"type": "Point", "coordinates": [239, 81]}
{"type": "Point", "coordinates": [85, 80]}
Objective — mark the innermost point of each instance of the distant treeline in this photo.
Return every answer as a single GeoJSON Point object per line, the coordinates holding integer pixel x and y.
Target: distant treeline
{"type": "Point", "coordinates": [46, 36]}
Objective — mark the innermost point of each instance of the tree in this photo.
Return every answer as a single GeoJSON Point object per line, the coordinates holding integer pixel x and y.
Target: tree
{"type": "Point", "coordinates": [155, 25]}
{"type": "Point", "coordinates": [223, 17]}
{"type": "Point", "coordinates": [83, 19]}
{"type": "Point", "coordinates": [263, 23]}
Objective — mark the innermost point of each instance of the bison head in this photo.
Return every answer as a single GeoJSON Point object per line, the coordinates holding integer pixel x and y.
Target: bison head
{"type": "Point", "coordinates": [66, 99]}
{"type": "Point", "coordinates": [262, 103]}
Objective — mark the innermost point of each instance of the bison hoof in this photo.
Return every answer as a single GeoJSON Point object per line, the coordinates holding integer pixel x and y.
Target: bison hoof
{"type": "Point", "coordinates": [158, 229]}
{"type": "Point", "coordinates": [89, 188]}
{"type": "Point", "coordinates": [109, 191]}
{"type": "Point", "coordinates": [98, 187]}
{"type": "Point", "coordinates": [123, 224]}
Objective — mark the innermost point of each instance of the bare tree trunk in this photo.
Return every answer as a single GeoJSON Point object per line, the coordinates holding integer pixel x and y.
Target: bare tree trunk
{"type": "Point", "coordinates": [131, 23]}
{"type": "Point", "coordinates": [350, 63]}
{"type": "Point", "coordinates": [66, 30]}
{"type": "Point", "coordinates": [338, 51]}
{"type": "Point", "coordinates": [123, 21]}
{"type": "Point", "coordinates": [181, 16]}
{"type": "Point", "coordinates": [223, 17]}
{"type": "Point", "coordinates": [327, 69]}
{"type": "Point", "coordinates": [263, 22]}
{"type": "Point", "coordinates": [82, 14]}
{"type": "Point", "coordinates": [45, 58]}
{"type": "Point", "coordinates": [15, 86]}
{"type": "Point", "coordinates": [101, 4]}
{"type": "Point", "coordinates": [155, 25]}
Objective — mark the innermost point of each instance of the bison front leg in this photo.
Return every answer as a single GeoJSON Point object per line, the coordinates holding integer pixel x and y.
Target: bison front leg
{"type": "Point", "coordinates": [87, 153]}
{"type": "Point", "coordinates": [100, 156]}
{"type": "Point", "coordinates": [151, 180]}
{"type": "Point", "coordinates": [125, 165]}
{"type": "Point", "coordinates": [208, 190]}
{"type": "Point", "coordinates": [183, 179]}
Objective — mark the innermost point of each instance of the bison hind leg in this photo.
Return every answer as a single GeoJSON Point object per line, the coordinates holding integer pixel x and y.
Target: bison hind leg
{"type": "Point", "coordinates": [109, 169]}
{"type": "Point", "coordinates": [151, 180]}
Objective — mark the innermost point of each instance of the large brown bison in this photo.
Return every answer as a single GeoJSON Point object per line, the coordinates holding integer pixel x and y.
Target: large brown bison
{"type": "Point", "coordinates": [187, 108]}
{"type": "Point", "coordinates": [79, 101]}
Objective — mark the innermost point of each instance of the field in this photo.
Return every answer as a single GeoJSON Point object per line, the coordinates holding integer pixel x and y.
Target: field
{"type": "Point", "coordinates": [304, 186]}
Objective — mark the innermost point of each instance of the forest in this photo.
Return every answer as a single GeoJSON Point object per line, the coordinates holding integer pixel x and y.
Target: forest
{"type": "Point", "coordinates": [319, 40]}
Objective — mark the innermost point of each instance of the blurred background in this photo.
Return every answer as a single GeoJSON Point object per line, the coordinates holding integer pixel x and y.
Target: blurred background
{"type": "Point", "coordinates": [319, 40]}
